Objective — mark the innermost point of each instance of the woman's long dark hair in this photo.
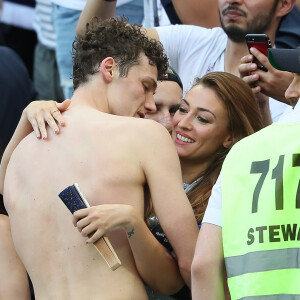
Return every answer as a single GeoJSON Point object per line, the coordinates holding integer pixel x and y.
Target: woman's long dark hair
{"type": "Point", "coordinates": [244, 119]}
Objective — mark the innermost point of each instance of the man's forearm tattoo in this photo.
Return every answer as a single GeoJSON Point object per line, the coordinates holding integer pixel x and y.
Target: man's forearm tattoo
{"type": "Point", "coordinates": [130, 233]}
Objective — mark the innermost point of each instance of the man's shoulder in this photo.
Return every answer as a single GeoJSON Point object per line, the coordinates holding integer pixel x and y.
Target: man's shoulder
{"type": "Point", "coordinates": [146, 127]}
{"type": "Point", "coordinates": [138, 129]}
{"type": "Point", "coordinates": [147, 133]}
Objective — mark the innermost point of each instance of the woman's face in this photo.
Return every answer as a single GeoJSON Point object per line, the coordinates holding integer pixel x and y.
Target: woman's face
{"type": "Point", "coordinates": [200, 125]}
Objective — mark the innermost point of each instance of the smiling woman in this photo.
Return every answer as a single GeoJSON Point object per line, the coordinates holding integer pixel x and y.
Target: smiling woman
{"type": "Point", "coordinates": [218, 111]}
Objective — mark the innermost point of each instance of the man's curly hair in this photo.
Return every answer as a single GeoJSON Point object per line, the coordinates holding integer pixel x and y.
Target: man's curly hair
{"type": "Point", "coordinates": [113, 38]}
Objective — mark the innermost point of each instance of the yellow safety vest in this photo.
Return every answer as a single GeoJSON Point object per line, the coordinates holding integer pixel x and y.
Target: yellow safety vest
{"type": "Point", "coordinates": [261, 214]}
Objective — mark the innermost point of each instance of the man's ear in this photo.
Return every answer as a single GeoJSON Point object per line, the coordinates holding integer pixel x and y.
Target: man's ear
{"type": "Point", "coordinates": [284, 7]}
{"type": "Point", "coordinates": [107, 67]}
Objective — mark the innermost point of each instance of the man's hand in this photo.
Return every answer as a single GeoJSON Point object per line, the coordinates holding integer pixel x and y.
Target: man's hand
{"type": "Point", "coordinates": [272, 83]}
{"type": "Point", "coordinates": [38, 113]}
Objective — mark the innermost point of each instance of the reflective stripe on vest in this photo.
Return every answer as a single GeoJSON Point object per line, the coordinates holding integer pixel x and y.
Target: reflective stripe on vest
{"type": "Point", "coordinates": [273, 297]}
{"type": "Point", "coordinates": [261, 214]}
{"type": "Point", "coordinates": [263, 261]}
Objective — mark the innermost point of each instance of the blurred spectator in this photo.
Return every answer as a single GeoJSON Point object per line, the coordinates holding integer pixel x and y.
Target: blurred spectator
{"type": "Point", "coordinates": [45, 72]}
{"type": "Point", "coordinates": [16, 92]}
{"type": "Point", "coordinates": [288, 33]}
{"type": "Point", "coordinates": [16, 29]}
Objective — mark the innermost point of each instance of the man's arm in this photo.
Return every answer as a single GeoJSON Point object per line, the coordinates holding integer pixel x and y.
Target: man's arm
{"type": "Point", "coordinates": [95, 8]}
{"type": "Point", "coordinates": [104, 10]}
{"type": "Point", "coordinates": [162, 170]}
{"type": "Point", "coordinates": [201, 13]}
{"type": "Point", "coordinates": [22, 130]}
{"type": "Point", "coordinates": [209, 280]}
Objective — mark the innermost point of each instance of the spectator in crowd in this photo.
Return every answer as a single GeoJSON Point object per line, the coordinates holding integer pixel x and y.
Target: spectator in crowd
{"type": "Point", "coordinates": [167, 99]}
{"type": "Point", "coordinates": [16, 31]}
{"type": "Point", "coordinates": [45, 72]}
{"type": "Point", "coordinates": [17, 92]}
{"type": "Point", "coordinates": [205, 13]}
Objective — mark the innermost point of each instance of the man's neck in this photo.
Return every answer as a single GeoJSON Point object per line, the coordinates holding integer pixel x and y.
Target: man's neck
{"type": "Point", "coordinates": [233, 54]}
{"type": "Point", "coordinates": [90, 96]}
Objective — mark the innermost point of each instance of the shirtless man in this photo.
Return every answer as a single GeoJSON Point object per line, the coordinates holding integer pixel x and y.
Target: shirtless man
{"type": "Point", "coordinates": [112, 157]}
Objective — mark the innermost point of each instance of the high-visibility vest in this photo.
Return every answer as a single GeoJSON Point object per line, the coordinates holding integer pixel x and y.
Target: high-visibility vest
{"type": "Point", "coordinates": [261, 214]}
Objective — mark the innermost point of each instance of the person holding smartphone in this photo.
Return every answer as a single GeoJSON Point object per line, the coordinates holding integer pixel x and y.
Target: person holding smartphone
{"type": "Point", "coordinates": [256, 70]}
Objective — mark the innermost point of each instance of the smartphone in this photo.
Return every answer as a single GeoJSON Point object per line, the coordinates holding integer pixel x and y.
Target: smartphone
{"type": "Point", "coordinates": [261, 42]}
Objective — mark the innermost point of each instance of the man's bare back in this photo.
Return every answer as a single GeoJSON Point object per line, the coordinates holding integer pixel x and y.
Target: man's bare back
{"type": "Point", "coordinates": [102, 159]}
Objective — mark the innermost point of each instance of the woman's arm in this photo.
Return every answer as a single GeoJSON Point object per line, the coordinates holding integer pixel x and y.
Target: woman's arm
{"type": "Point", "coordinates": [155, 265]}
{"type": "Point", "coordinates": [33, 117]}
{"type": "Point", "coordinates": [22, 130]}
{"type": "Point", "coordinates": [95, 8]}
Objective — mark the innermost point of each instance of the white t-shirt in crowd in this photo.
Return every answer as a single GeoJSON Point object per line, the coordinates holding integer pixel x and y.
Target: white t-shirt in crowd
{"type": "Point", "coordinates": [43, 25]}
{"type": "Point", "coordinates": [16, 14]}
{"type": "Point", "coordinates": [194, 51]}
{"type": "Point", "coordinates": [213, 213]}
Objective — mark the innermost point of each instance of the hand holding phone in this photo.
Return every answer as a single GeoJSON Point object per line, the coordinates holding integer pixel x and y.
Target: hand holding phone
{"type": "Point", "coordinates": [261, 42]}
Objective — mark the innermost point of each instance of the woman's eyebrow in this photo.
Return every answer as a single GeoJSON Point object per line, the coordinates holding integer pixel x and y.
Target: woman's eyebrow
{"type": "Point", "coordinates": [200, 108]}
